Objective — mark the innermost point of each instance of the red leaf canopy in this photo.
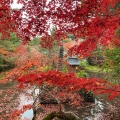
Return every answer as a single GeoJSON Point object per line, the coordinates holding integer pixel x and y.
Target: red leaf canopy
{"type": "Point", "coordinates": [93, 20]}
{"type": "Point", "coordinates": [69, 82]}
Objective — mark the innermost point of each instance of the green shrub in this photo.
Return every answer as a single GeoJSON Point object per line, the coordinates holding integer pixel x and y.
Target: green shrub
{"type": "Point", "coordinates": [10, 44]}
{"type": "Point", "coordinates": [82, 73]}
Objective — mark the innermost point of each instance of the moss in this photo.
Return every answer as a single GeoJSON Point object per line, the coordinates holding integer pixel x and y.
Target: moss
{"type": "Point", "coordinates": [50, 116]}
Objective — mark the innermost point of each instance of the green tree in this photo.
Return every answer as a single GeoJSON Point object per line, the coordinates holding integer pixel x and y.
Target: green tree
{"type": "Point", "coordinates": [112, 61]}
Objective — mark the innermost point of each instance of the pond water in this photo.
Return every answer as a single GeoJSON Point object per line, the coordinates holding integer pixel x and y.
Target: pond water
{"type": "Point", "coordinates": [88, 111]}
{"type": "Point", "coordinates": [28, 114]}
{"type": "Point", "coordinates": [24, 100]}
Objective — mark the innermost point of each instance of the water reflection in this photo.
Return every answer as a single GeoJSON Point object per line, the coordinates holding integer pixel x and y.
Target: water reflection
{"type": "Point", "coordinates": [24, 100]}
{"type": "Point", "coordinates": [27, 115]}
{"type": "Point", "coordinates": [93, 111]}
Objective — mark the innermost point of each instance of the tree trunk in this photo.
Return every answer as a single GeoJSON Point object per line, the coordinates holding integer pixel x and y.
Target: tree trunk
{"type": "Point", "coordinates": [34, 114]}
{"type": "Point", "coordinates": [62, 115]}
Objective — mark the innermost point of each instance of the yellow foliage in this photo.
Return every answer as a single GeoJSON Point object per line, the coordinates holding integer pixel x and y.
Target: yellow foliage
{"type": "Point", "coordinates": [71, 87]}
{"type": "Point", "coordinates": [3, 51]}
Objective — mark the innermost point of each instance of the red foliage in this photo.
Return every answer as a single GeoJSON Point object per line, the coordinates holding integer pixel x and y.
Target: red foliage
{"type": "Point", "coordinates": [70, 82]}
{"type": "Point", "coordinates": [6, 22]}
{"type": "Point", "coordinates": [95, 21]}
{"type": "Point", "coordinates": [31, 61]}
{"type": "Point", "coordinates": [91, 19]}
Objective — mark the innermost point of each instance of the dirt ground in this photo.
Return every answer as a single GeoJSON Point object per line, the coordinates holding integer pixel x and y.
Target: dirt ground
{"type": "Point", "coordinates": [9, 99]}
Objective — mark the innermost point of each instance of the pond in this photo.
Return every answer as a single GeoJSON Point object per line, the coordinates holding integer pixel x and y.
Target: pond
{"type": "Point", "coordinates": [88, 111]}
{"type": "Point", "coordinates": [24, 100]}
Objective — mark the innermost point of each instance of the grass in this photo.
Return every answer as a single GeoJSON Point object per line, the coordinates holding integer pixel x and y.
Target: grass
{"type": "Point", "coordinates": [91, 68]}
{"type": "Point", "coordinates": [82, 73]}
{"type": "Point", "coordinates": [1, 76]}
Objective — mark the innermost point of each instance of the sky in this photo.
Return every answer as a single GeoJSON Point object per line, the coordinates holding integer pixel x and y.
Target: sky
{"type": "Point", "coordinates": [15, 5]}
{"type": "Point", "coordinates": [18, 6]}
